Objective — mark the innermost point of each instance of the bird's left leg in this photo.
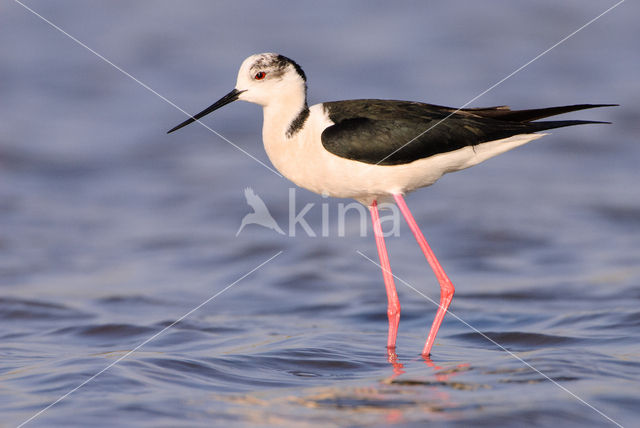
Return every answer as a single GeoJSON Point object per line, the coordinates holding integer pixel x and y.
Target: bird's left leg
{"type": "Point", "coordinates": [393, 308]}
{"type": "Point", "coordinates": [446, 287]}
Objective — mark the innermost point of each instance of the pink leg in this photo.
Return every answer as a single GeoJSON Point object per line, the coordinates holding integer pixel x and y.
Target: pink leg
{"type": "Point", "coordinates": [446, 287]}
{"type": "Point", "coordinates": [393, 308]}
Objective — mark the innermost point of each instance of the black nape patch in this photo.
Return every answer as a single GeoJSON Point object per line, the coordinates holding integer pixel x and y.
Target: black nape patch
{"type": "Point", "coordinates": [298, 122]}
{"type": "Point", "coordinates": [284, 60]}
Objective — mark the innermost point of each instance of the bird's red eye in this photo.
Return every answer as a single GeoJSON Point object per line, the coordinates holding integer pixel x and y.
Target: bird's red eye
{"type": "Point", "coordinates": [260, 75]}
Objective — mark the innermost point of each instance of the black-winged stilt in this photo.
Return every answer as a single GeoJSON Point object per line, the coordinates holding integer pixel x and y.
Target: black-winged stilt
{"type": "Point", "coordinates": [372, 150]}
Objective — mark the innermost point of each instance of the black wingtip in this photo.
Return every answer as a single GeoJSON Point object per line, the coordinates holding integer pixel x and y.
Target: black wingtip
{"type": "Point", "coordinates": [583, 122]}
{"type": "Point", "coordinates": [552, 124]}
{"type": "Point", "coordinates": [530, 115]}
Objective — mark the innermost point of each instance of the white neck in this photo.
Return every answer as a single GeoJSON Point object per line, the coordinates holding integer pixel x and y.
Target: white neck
{"type": "Point", "coordinates": [281, 112]}
{"type": "Point", "coordinates": [282, 147]}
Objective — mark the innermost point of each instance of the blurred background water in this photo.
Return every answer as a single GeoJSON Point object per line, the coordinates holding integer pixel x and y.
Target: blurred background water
{"type": "Point", "coordinates": [110, 230]}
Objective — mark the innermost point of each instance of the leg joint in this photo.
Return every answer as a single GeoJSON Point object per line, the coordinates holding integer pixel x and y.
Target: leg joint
{"type": "Point", "coordinates": [393, 311]}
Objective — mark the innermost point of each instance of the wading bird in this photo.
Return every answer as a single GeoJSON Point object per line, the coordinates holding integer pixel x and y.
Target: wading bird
{"type": "Point", "coordinates": [372, 150]}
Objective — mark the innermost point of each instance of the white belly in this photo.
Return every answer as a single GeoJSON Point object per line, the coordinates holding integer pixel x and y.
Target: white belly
{"type": "Point", "coordinates": [305, 161]}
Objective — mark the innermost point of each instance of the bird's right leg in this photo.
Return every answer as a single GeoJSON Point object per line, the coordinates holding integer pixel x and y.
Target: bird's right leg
{"type": "Point", "coordinates": [446, 287]}
{"type": "Point", "coordinates": [393, 308]}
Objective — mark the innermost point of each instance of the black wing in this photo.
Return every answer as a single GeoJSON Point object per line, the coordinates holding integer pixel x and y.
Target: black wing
{"type": "Point", "coordinates": [387, 132]}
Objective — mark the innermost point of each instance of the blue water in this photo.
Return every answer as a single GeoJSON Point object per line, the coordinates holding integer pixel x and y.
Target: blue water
{"type": "Point", "coordinates": [111, 230]}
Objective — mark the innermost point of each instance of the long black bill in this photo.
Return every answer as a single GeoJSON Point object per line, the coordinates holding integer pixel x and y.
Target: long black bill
{"type": "Point", "coordinates": [230, 97]}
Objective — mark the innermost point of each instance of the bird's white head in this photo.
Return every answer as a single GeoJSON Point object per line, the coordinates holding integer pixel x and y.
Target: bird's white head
{"type": "Point", "coordinates": [264, 79]}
